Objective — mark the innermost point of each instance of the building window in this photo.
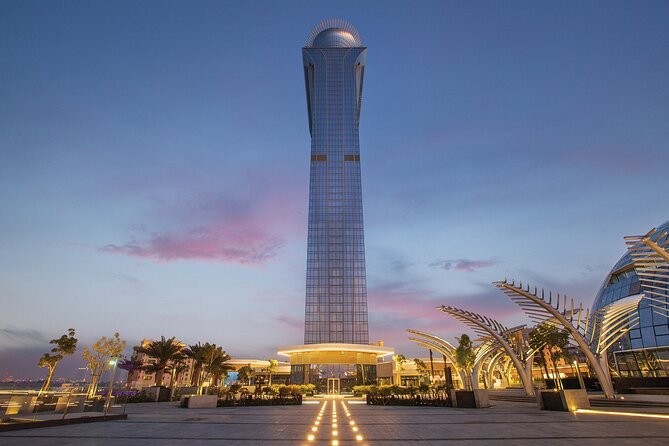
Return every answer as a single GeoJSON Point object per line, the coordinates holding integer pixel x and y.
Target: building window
{"type": "Point", "coordinates": [319, 157]}
{"type": "Point", "coordinates": [351, 157]}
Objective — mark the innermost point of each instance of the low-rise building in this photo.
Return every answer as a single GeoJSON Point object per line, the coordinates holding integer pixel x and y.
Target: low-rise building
{"type": "Point", "coordinates": [140, 378]}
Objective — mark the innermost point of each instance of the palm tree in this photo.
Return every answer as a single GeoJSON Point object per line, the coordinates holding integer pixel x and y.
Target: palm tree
{"type": "Point", "coordinates": [210, 361]}
{"type": "Point", "coordinates": [176, 369]}
{"type": "Point", "coordinates": [164, 352]}
{"type": "Point", "coordinates": [220, 370]}
{"type": "Point", "coordinates": [195, 352]}
{"type": "Point", "coordinates": [214, 361]}
{"type": "Point", "coordinates": [245, 374]}
{"type": "Point", "coordinates": [271, 369]}
{"type": "Point", "coordinates": [65, 345]}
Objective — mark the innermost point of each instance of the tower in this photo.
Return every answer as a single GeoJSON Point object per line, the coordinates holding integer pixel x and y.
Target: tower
{"type": "Point", "coordinates": [336, 354]}
{"type": "Point", "coordinates": [336, 291]}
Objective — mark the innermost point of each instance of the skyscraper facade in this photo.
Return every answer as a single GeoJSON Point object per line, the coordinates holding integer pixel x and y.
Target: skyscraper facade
{"type": "Point", "coordinates": [336, 293]}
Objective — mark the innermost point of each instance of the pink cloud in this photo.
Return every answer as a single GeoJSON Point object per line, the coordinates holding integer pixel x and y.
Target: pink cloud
{"type": "Point", "coordinates": [248, 226]}
{"type": "Point", "coordinates": [394, 307]}
{"type": "Point", "coordinates": [230, 245]}
{"type": "Point", "coordinates": [463, 264]}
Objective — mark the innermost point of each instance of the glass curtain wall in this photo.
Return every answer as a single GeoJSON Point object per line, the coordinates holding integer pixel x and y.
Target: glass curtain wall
{"type": "Point", "coordinates": [336, 293]}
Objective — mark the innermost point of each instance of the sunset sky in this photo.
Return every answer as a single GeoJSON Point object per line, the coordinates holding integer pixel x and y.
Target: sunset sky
{"type": "Point", "coordinates": [154, 163]}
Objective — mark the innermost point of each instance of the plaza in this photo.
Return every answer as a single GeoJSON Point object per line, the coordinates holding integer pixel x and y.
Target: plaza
{"type": "Point", "coordinates": [258, 303]}
{"type": "Point", "coordinates": [506, 423]}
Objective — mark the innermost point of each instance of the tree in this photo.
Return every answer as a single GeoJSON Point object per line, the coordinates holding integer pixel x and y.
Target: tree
{"type": "Point", "coordinates": [465, 357]}
{"type": "Point", "coordinates": [64, 346]}
{"type": "Point", "coordinates": [176, 368]}
{"type": "Point", "coordinates": [399, 366]}
{"type": "Point", "coordinates": [214, 362]}
{"type": "Point", "coordinates": [271, 369]}
{"type": "Point", "coordinates": [195, 352]}
{"type": "Point", "coordinates": [97, 359]}
{"type": "Point", "coordinates": [164, 352]}
{"type": "Point", "coordinates": [552, 342]}
{"type": "Point", "coordinates": [131, 366]}
{"type": "Point", "coordinates": [210, 361]}
{"type": "Point", "coordinates": [421, 368]}
{"type": "Point", "coordinates": [245, 374]}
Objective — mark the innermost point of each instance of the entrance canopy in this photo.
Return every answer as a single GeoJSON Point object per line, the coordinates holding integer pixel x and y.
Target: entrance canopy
{"type": "Point", "coordinates": [335, 353]}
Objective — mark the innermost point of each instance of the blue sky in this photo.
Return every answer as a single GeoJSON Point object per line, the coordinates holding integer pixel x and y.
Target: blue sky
{"type": "Point", "coordinates": [154, 162]}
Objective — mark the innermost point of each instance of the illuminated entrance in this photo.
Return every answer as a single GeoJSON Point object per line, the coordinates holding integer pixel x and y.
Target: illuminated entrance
{"type": "Point", "coordinates": [334, 367]}
{"type": "Point", "coordinates": [333, 386]}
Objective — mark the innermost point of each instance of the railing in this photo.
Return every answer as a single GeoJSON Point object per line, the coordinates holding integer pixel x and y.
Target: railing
{"type": "Point", "coordinates": [24, 406]}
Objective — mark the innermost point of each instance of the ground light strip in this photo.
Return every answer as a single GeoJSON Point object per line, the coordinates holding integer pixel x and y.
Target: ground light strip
{"type": "Point", "coordinates": [358, 435]}
{"type": "Point", "coordinates": [625, 414]}
{"type": "Point", "coordinates": [314, 429]}
{"type": "Point", "coordinates": [335, 432]}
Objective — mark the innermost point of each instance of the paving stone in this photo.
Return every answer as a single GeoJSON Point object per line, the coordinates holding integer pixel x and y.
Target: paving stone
{"type": "Point", "coordinates": [505, 424]}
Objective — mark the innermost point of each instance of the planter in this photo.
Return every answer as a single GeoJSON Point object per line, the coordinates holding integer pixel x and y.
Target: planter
{"type": "Point", "coordinates": [567, 400]}
{"type": "Point", "coordinates": [199, 401]}
{"type": "Point", "coordinates": [159, 394]}
{"type": "Point", "coordinates": [470, 398]}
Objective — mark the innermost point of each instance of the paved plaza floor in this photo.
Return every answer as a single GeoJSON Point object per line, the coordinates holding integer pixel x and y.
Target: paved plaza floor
{"type": "Point", "coordinates": [351, 422]}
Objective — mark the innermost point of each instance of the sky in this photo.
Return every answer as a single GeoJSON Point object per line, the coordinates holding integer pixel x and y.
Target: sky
{"type": "Point", "coordinates": [154, 162]}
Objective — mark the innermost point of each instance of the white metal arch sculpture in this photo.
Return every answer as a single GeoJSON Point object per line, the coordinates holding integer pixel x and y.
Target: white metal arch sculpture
{"type": "Point", "coordinates": [441, 345]}
{"type": "Point", "coordinates": [490, 327]}
{"type": "Point", "coordinates": [650, 255]}
{"type": "Point", "coordinates": [426, 343]}
{"type": "Point", "coordinates": [488, 347]}
{"type": "Point", "coordinates": [492, 364]}
{"type": "Point", "coordinates": [611, 321]}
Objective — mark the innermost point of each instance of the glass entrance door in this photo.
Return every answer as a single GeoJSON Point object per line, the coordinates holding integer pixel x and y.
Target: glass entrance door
{"type": "Point", "coordinates": [333, 386]}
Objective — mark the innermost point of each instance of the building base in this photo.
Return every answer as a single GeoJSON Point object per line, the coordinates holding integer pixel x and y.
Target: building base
{"type": "Point", "coordinates": [334, 367]}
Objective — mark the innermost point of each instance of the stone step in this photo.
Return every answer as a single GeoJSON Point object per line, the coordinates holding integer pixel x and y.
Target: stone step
{"type": "Point", "coordinates": [594, 402]}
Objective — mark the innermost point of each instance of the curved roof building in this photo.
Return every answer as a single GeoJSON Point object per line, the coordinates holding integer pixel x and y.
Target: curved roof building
{"type": "Point", "coordinates": [645, 348]}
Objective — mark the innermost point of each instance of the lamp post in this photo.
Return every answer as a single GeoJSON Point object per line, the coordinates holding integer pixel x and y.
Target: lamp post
{"type": "Point", "coordinates": [580, 378]}
{"type": "Point", "coordinates": [112, 363]}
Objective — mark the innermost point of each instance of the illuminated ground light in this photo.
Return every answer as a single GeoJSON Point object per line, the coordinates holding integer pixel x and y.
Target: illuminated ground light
{"type": "Point", "coordinates": [624, 414]}
{"type": "Point", "coordinates": [312, 437]}
{"type": "Point", "coordinates": [354, 428]}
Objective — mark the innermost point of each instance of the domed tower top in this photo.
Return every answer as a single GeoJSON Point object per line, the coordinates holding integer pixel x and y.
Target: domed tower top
{"type": "Point", "coordinates": [334, 33]}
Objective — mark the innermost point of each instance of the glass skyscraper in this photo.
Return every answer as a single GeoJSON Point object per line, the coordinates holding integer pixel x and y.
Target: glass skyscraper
{"type": "Point", "coordinates": [336, 293]}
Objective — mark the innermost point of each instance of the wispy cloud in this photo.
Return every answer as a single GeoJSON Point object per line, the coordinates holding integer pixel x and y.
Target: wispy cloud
{"type": "Point", "coordinates": [13, 337]}
{"type": "Point", "coordinates": [231, 245]}
{"type": "Point", "coordinates": [462, 264]}
{"type": "Point", "coordinates": [249, 227]}
{"type": "Point", "coordinates": [396, 306]}
{"type": "Point", "coordinates": [292, 322]}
